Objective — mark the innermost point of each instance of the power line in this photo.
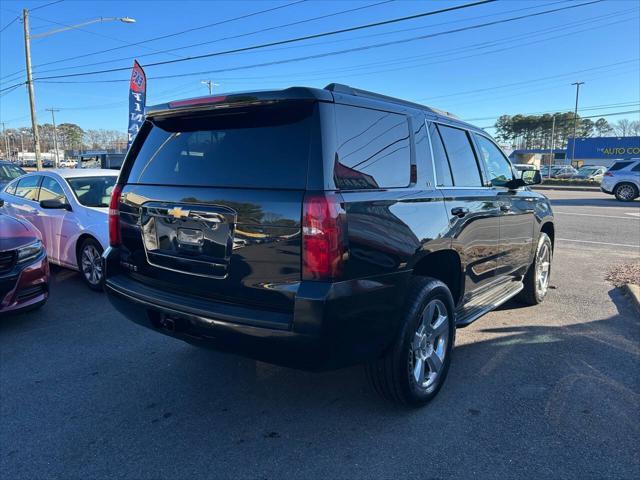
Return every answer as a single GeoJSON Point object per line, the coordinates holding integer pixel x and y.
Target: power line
{"type": "Point", "coordinates": [45, 5]}
{"type": "Point", "coordinates": [241, 17]}
{"type": "Point", "coordinates": [8, 24]}
{"type": "Point", "coordinates": [303, 38]}
{"type": "Point", "coordinates": [208, 42]}
{"type": "Point", "coordinates": [524, 82]}
{"type": "Point", "coordinates": [447, 53]}
{"type": "Point", "coordinates": [326, 54]}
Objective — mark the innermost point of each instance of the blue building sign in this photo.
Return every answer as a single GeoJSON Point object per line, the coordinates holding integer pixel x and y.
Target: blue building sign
{"type": "Point", "coordinates": [605, 148]}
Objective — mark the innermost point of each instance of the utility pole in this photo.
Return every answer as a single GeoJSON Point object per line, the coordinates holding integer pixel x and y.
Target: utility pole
{"type": "Point", "coordinates": [6, 143]}
{"type": "Point", "coordinates": [210, 84]}
{"type": "Point", "coordinates": [32, 98]}
{"type": "Point", "coordinates": [553, 145]}
{"type": "Point", "coordinates": [575, 122]}
{"type": "Point", "coordinates": [55, 134]}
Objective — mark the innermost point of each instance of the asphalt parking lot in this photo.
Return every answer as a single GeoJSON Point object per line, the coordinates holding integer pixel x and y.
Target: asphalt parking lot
{"type": "Point", "coordinates": [548, 392]}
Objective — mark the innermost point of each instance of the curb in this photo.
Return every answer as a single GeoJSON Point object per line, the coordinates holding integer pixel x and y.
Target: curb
{"type": "Point", "coordinates": [576, 188]}
{"type": "Point", "coordinates": [633, 292]}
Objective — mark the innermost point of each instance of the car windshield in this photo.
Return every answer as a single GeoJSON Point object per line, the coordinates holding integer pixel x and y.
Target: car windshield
{"type": "Point", "coordinates": [9, 172]}
{"type": "Point", "coordinates": [93, 191]}
{"type": "Point", "coordinates": [588, 171]}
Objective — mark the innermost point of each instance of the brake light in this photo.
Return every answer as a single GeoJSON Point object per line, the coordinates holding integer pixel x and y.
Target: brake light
{"type": "Point", "coordinates": [323, 232]}
{"type": "Point", "coordinates": [197, 101]}
{"type": "Point", "coordinates": [114, 216]}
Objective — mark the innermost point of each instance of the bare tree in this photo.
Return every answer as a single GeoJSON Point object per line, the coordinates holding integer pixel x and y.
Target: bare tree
{"type": "Point", "coordinates": [622, 128]}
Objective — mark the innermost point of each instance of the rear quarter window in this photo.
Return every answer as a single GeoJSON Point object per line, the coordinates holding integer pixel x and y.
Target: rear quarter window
{"type": "Point", "coordinates": [374, 149]}
{"type": "Point", "coordinates": [264, 147]}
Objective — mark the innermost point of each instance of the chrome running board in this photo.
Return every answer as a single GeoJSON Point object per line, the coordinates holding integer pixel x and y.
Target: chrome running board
{"type": "Point", "coordinates": [487, 301]}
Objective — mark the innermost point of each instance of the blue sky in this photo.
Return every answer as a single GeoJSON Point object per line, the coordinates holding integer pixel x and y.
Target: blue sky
{"type": "Point", "coordinates": [523, 66]}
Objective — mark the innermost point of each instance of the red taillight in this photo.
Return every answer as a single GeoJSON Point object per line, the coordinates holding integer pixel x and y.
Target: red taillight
{"type": "Point", "coordinates": [114, 216]}
{"type": "Point", "coordinates": [323, 243]}
{"type": "Point", "coordinates": [608, 174]}
{"type": "Point", "coordinates": [197, 101]}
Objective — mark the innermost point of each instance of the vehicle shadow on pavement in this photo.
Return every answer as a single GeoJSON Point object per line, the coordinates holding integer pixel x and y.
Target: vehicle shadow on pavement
{"type": "Point", "coordinates": [523, 398]}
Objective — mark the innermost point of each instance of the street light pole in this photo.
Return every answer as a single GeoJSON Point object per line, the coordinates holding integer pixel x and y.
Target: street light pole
{"type": "Point", "coordinates": [6, 143]}
{"type": "Point", "coordinates": [32, 98]}
{"type": "Point", "coordinates": [27, 52]}
{"type": "Point", "coordinates": [55, 134]}
{"type": "Point", "coordinates": [553, 145]}
{"type": "Point", "coordinates": [575, 122]}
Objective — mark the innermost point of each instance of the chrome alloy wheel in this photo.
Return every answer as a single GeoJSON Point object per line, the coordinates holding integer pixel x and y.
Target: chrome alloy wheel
{"type": "Point", "coordinates": [626, 192]}
{"type": "Point", "coordinates": [543, 267]}
{"type": "Point", "coordinates": [429, 345]}
{"type": "Point", "coordinates": [91, 264]}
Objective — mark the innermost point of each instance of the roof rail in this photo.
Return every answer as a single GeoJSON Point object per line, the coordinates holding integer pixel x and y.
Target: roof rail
{"type": "Point", "coordinates": [346, 89]}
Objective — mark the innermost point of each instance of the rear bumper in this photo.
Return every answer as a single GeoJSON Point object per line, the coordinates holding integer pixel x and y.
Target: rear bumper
{"type": "Point", "coordinates": [26, 286]}
{"type": "Point", "coordinates": [332, 324]}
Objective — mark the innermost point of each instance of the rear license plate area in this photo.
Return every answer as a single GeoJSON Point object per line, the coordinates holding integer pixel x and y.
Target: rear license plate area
{"type": "Point", "coordinates": [193, 239]}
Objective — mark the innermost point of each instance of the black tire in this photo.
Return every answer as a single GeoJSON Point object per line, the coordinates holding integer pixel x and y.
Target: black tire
{"type": "Point", "coordinates": [392, 375]}
{"type": "Point", "coordinates": [532, 294]}
{"type": "Point", "coordinates": [90, 244]}
{"type": "Point", "coordinates": [625, 192]}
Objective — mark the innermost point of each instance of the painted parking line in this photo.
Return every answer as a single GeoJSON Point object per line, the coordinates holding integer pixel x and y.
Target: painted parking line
{"type": "Point", "coordinates": [632, 215]}
{"type": "Point", "coordinates": [600, 243]}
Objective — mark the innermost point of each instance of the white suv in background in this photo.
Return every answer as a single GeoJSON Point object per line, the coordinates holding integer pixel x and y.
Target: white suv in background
{"type": "Point", "coordinates": [623, 180]}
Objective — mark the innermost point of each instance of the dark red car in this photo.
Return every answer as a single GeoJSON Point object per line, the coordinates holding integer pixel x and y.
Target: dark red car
{"type": "Point", "coordinates": [24, 270]}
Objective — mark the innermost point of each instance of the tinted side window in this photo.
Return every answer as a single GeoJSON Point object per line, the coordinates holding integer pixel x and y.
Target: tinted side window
{"type": "Point", "coordinates": [373, 149]}
{"type": "Point", "coordinates": [498, 167]}
{"type": "Point", "coordinates": [461, 157]}
{"type": "Point", "coordinates": [619, 166]}
{"type": "Point", "coordinates": [28, 187]}
{"type": "Point", "coordinates": [636, 168]}
{"type": "Point", "coordinates": [443, 171]}
{"type": "Point", "coordinates": [50, 189]}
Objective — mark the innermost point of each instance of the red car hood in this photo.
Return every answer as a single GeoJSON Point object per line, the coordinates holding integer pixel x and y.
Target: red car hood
{"type": "Point", "coordinates": [15, 233]}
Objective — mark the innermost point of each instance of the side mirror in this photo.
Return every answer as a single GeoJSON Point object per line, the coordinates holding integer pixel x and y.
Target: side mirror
{"type": "Point", "coordinates": [532, 177]}
{"type": "Point", "coordinates": [527, 177]}
{"type": "Point", "coordinates": [55, 204]}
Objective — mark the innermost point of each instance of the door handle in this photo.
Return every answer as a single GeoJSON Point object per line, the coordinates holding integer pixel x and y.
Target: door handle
{"type": "Point", "coordinates": [505, 207]}
{"type": "Point", "coordinates": [459, 211]}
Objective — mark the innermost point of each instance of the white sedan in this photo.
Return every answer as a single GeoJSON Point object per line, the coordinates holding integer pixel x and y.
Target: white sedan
{"type": "Point", "coordinates": [70, 208]}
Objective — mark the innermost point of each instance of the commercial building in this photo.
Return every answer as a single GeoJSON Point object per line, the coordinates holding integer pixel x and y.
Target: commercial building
{"type": "Point", "coordinates": [601, 151]}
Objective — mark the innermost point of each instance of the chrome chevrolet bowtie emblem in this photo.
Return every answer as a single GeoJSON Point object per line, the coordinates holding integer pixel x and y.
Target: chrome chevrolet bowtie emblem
{"type": "Point", "coordinates": [177, 212]}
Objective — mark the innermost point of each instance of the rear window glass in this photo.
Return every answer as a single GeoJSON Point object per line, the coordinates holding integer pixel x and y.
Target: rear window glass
{"type": "Point", "coordinates": [373, 149]}
{"type": "Point", "coordinates": [259, 147]}
{"type": "Point", "coordinates": [619, 166]}
{"type": "Point", "coordinates": [93, 191]}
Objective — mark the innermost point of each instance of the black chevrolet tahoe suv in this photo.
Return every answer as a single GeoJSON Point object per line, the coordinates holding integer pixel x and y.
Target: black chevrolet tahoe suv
{"type": "Point", "coordinates": [318, 228]}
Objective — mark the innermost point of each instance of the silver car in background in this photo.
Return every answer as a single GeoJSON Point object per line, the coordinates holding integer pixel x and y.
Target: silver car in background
{"type": "Point", "coordinates": [623, 180]}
